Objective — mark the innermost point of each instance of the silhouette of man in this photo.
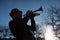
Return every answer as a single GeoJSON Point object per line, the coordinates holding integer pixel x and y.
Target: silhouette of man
{"type": "Point", "coordinates": [19, 27]}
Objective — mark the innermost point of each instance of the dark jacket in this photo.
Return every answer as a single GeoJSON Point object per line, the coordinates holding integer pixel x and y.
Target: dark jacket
{"type": "Point", "coordinates": [21, 30]}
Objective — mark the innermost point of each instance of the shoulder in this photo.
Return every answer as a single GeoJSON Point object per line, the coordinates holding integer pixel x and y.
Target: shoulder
{"type": "Point", "coordinates": [10, 22]}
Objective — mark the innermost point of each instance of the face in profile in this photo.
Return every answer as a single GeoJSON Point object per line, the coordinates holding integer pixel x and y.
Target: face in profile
{"type": "Point", "coordinates": [15, 13]}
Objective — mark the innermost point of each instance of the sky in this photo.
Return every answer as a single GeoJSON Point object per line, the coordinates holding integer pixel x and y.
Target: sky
{"type": "Point", "coordinates": [7, 5]}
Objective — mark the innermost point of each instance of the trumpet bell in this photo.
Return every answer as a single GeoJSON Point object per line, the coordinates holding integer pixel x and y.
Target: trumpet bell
{"type": "Point", "coordinates": [39, 9]}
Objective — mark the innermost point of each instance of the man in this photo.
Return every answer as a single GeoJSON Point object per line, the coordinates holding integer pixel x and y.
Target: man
{"type": "Point", "coordinates": [19, 27]}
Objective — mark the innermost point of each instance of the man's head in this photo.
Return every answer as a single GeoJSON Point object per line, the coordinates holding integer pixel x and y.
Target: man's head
{"type": "Point", "coordinates": [16, 13]}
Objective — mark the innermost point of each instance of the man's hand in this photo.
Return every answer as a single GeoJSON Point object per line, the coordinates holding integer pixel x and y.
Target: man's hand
{"type": "Point", "coordinates": [29, 14]}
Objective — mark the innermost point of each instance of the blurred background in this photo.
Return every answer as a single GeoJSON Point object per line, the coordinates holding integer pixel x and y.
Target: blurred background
{"type": "Point", "coordinates": [50, 16]}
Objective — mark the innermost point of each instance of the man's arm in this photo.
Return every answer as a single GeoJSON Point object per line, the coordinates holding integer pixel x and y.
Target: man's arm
{"type": "Point", "coordinates": [25, 19]}
{"type": "Point", "coordinates": [12, 28]}
{"type": "Point", "coordinates": [32, 27]}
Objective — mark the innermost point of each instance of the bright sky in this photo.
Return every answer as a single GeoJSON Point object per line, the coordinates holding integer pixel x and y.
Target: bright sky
{"type": "Point", "coordinates": [24, 5]}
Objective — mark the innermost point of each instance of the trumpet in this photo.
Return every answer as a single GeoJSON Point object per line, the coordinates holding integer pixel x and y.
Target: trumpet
{"type": "Point", "coordinates": [36, 14]}
{"type": "Point", "coordinates": [39, 9]}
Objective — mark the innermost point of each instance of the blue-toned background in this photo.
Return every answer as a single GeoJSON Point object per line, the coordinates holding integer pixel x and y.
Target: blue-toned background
{"type": "Point", "coordinates": [7, 5]}
{"type": "Point", "coordinates": [24, 5]}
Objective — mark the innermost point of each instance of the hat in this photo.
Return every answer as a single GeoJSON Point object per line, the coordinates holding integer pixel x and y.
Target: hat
{"type": "Point", "coordinates": [15, 10]}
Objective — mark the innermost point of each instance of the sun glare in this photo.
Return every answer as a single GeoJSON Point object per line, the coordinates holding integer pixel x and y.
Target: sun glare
{"type": "Point", "coordinates": [49, 34]}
